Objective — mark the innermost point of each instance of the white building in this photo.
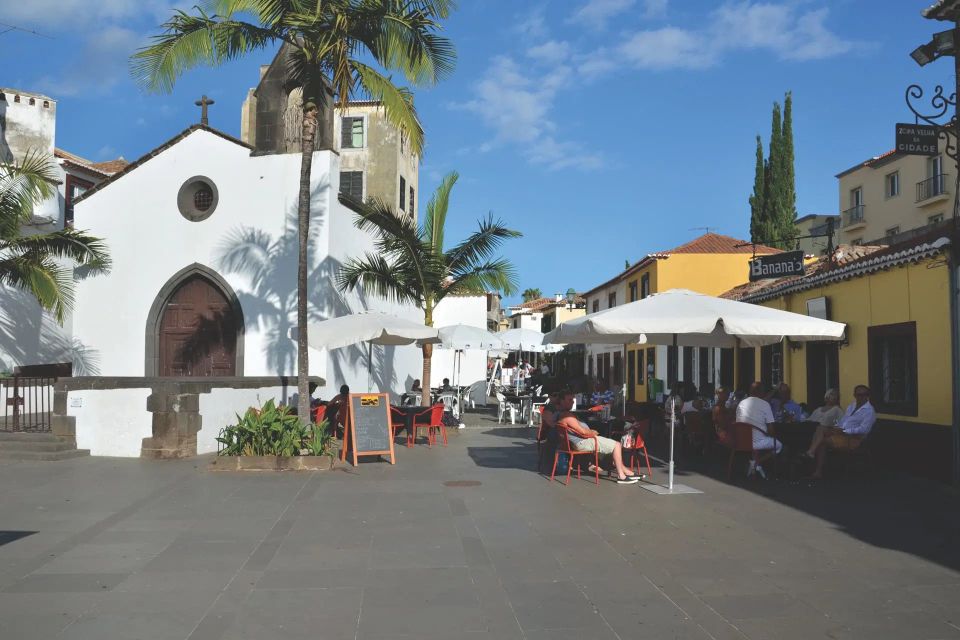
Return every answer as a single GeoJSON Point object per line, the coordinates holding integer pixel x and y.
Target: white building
{"type": "Point", "coordinates": [28, 335]}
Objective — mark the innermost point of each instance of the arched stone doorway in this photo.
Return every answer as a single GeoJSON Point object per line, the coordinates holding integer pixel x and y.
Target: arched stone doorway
{"type": "Point", "coordinates": [195, 327]}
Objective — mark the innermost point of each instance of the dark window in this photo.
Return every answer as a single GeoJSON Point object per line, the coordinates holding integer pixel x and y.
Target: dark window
{"type": "Point", "coordinates": [611, 300]}
{"type": "Point", "coordinates": [726, 368]}
{"type": "Point", "coordinates": [413, 208]}
{"type": "Point", "coordinates": [747, 369]}
{"type": "Point", "coordinates": [203, 197]}
{"type": "Point", "coordinates": [590, 367]}
{"type": "Point", "coordinates": [618, 369]}
{"type": "Point", "coordinates": [671, 367]}
{"type": "Point", "coordinates": [351, 133]}
{"type": "Point", "coordinates": [351, 183]}
{"type": "Point", "coordinates": [641, 372]}
{"type": "Point", "coordinates": [893, 368]}
{"type": "Point", "coordinates": [633, 291]}
{"type": "Point", "coordinates": [631, 374]}
{"type": "Point", "coordinates": [687, 365]}
{"type": "Point", "coordinates": [596, 306]}
{"type": "Point", "coordinates": [771, 364]}
{"type": "Point", "coordinates": [73, 188]}
{"type": "Point", "coordinates": [403, 194]}
{"type": "Point", "coordinates": [644, 286]}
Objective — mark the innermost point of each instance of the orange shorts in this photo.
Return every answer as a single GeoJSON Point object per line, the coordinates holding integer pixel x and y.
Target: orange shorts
{"type": "Point", "coordinates": [843, 441]}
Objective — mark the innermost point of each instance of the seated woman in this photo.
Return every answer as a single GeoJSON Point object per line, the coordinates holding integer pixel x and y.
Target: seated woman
{"type": "Point", "coordinates": [337, 411]}
{"type": "Point", "coordinates": [830, 413]}
{"type": "Point", "coordinates": [722, 417]}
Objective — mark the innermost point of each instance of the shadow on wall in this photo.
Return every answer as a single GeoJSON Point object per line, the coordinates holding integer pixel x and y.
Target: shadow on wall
{"type": "Point", "coordinates": [270, 265]}
{"type": "Point", "coordinates": [29, 336]}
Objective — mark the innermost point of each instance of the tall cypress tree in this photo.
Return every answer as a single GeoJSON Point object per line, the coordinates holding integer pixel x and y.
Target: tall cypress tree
{"type": "Point", "coordinates": [785, 223]}
{"type": "Point", "coordinates": [756, 199]}
{"type": "Point", "coordinates": [774, 198]}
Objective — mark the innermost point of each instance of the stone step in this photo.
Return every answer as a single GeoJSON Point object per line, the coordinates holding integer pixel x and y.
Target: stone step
{"type": "Point", "coordinates": [26, 435]}
{"type": "Point", "coordinates": [36, 445]}
{"type": "Point", "coordinates": [43, 455]}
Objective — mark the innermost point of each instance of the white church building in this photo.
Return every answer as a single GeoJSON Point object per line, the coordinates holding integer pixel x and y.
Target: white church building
{"type": "Point", "coordinates": [192, 323]}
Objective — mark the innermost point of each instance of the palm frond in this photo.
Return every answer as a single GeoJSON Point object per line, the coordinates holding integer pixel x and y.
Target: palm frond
{"type": "Point", "coordinates": [66, 244]}
{"type": "Point", "coordinates": [270, 13]}
{"type": "Point", "coordinates": [397, 102]}
{"type": "Point", "coordinates": [47, 281]}
{"type": "Point", "coordinates": [492, 275]}
{"type": "Point", "coordinates": [246, 251]}
{"type": "Point", "coordinates": [189, 41]}
{"type": "Point", "coordinates": [373, 274]}
{"type": "Point", "coordinates": [480, 245]}
{"type": "Point", "coordinates": [436, 218]}
{"type": "Point", "coordinates": [410, 44]}
{"type": "Point", "coordinates": [23, 186]}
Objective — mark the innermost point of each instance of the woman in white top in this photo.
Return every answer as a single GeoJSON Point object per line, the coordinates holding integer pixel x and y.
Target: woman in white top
{"type": "Point", "coordinates": [830, 413]}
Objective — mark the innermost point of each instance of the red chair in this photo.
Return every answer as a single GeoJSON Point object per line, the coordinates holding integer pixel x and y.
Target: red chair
{"type": "Point", "coordinates": [320, 413]}
{"type": "Point", "coordinates": [436, 422]}
{"type": "Point", "coordinates": [640, 429]}
{"type": "Point", "coordinates": [742, 442]}
{"type": "Point", "coordinates": [563, 446]}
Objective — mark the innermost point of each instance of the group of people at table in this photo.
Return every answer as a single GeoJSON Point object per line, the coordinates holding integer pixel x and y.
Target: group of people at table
{"type": "Point", "coordinates": [762, 409]}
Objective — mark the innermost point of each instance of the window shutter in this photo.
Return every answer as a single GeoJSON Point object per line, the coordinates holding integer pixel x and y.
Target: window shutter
{"type": "Point", "coordinates": [403, 193]}
{"type": "Point", "coordinates": [346, 133]}
{"type": "Point", "coordinates": [413, 209]}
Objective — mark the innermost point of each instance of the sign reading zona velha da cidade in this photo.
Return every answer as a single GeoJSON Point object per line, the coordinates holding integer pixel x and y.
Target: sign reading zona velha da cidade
{"type": "Point", "coordinates": [917, 139]}
{"type": "Point", "coordinates": [778, 265]}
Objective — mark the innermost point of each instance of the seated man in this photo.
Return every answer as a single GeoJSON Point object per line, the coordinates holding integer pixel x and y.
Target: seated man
{"type": "Point", "coordinates": [580, 439]}
{"type": "Point", "coordinates": [785, 408]}
{"type": "Point", "coordinates": [850, 431]}
{"type": "Point", "coordinates": [445, 387]}
{"type": "Point", "coordinates": [337, 411]}
{"type": "Point", "coordinates": [756, 411]}
{"type": "Point", "coordinates": [295, 399]}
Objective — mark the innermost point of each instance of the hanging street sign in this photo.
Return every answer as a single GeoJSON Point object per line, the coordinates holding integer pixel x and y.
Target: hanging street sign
{"type": "Point", "coordinates": [917, 139]}
{"type": "Point", "coordinates": [778, 265]}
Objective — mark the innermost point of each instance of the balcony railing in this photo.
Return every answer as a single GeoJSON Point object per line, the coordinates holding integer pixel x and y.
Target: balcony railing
{"type": "Point", "coordinates": [932, 187]}
{"type": "Point", "coordinates": [853, 215]}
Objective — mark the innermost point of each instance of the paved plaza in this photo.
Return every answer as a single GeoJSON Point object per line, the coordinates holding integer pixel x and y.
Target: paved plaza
{"type": "Point", "coordinates": [466, 542]}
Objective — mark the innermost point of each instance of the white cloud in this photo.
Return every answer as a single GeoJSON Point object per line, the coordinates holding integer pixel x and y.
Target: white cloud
{"type": "Point", "coordinates": [786, 30]}
{"type": "Point", "coordinates": [551, 52]}
{"type": "Point", "coordinates": [596, 13]}
{"type": "Point", "coordinates": [68, 14]}
{"type": "Point", "coordinates": [517, 107]}
{"type": "Point", "coordinates": [532, 26]}
{"type": "Point", "coordinates": [99, 65]}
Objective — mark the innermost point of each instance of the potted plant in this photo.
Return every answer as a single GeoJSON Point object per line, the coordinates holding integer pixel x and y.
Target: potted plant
{"type": "Point", "coordinates": [272, 438]}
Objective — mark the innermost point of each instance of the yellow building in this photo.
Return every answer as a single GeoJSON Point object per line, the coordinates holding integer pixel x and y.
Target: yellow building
{"type": "Point", "coordinates": [895, 302]}
{"type": "Point", "coordinates": [710, 264]}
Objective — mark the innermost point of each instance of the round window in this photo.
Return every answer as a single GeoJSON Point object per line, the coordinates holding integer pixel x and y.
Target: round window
{"type": "Point", "coordinates": [197, 198]}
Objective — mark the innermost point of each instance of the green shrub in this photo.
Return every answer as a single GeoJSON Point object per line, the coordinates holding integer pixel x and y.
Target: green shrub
{"type": "Point", "coordinates": [273, 431]}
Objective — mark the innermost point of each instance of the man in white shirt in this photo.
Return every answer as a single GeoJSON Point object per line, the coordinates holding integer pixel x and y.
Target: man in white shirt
{"type": "Point", "coordinates": [756, 411]}
{"type": "Point", "coordinates": [851, 429]}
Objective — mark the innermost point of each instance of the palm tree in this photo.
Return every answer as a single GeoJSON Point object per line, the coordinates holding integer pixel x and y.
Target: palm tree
{"type": "Point", "coordinates": [35, 263]}
{"type": "Point", "coordinates": [328, 42]}
{"type": "Point", "coordinates": [410, 265]}
{"type": "Point", "coordinates": [531, 294]}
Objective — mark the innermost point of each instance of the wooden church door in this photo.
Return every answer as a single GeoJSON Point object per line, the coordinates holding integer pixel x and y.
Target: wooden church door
{"type": "Point", "coordinates": [198, 331]}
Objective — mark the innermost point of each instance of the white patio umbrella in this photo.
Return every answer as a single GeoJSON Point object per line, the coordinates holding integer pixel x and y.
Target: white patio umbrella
{"type": "Point", "coordinates": [521, 340]}
{"type": "Point", "coordinates": [461, 337]}
{"type": "Point", "coordinates": [681, 317]}
{"type": "Point", "coordinates": [372, 327]}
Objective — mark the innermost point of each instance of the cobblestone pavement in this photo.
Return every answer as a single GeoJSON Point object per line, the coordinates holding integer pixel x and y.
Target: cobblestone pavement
{"type": "Point", "coordinates": [466, 541]}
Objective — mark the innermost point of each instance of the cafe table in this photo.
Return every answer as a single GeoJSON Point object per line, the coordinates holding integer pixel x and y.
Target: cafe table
{"type": "Point", "coordinates": [795, 436]}
{"type": "Point", "coordinates": [409, 412]}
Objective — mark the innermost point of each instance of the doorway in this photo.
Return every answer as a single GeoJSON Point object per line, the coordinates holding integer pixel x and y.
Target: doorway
{"type": "Point", "coordinates": [823, 370]}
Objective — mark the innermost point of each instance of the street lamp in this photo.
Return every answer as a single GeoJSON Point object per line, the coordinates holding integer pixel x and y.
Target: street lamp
{"type": "Point", "coordinates": [571, 298]}
{"type": "Point", "coordinates": [942, 44]}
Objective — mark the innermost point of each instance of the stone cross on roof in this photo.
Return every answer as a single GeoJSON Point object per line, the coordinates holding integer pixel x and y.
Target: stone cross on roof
{"type": "Point", "coordinates": [203, 102]}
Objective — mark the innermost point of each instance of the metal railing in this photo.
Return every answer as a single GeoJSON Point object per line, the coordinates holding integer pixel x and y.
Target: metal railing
{"type": "Point", "coordinates": [853, 215]}
{"type": "Point", "coordinates": [27, 403]}
{"type": "Point", "coordinates": [932, 187]}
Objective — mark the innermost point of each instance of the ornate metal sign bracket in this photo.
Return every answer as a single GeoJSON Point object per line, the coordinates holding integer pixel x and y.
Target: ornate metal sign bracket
{"type": "Point", "coordinates": [941, 105]}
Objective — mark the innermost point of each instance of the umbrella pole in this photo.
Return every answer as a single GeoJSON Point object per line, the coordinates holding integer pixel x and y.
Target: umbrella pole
{"type": "Point", "coordinates": [623, 375]}
{"type": "Point", "coordinates": [673, 420]}
{"type": "Point", "coordinates": [370, 366]}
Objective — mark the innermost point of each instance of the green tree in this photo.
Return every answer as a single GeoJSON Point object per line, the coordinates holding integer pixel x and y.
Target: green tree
{"type": "Point", "coordinates": [410, 265]}
{"type": "Point", "coordinates": [40, 263]}
{"type": "Point", "coordinates": [331, 44]}
{"type": "Point", "coordinates": [787, 214]}
{"type": "Point", "coordinates": [531, 294]}
{"type": "Point", "coordinates": [757, 210]}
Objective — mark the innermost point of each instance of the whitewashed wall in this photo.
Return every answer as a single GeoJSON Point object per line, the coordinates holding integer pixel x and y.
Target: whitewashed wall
{"type": "Point", "coordinates": [468, 310]}
{"type": "Point", "coordinates": [220, 407]}
{"type": "Point", "coordinates": [111, 422]}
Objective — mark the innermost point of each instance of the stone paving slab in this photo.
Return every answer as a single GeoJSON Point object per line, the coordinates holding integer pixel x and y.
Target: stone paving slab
{"type": "Point", "coordinates": [107, 548]}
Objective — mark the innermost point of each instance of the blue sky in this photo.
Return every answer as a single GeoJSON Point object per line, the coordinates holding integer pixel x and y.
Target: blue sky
{"type": "Point", "coordinates": [602, 129]}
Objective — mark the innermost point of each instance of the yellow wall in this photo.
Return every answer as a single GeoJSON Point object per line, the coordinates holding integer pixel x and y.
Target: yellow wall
{"type": "Point", "coordinates": [709, 273]}
{"type": "Point", "coordinates": [913, 293]}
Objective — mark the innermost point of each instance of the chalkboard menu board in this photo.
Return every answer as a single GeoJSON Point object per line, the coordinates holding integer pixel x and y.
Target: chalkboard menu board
{"type": "Point", "coordinates": [369, 432]}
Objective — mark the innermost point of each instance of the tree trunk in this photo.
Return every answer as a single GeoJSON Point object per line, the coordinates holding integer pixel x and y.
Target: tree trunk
{"type": "Point", "coordinates": [427, 355]}
{"type": "Point", "coordinates": [303, 237]}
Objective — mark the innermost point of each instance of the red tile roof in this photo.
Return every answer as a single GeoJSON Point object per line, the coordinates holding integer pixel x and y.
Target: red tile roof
{"type": "Point", "coordinates": [868, 163]}
{"type": "Point", "coordinates": [717, 243]}
{"type": "Point", "coordinates": [539, 304]}
{"type": "Point", "coordinates": [107, 168]}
